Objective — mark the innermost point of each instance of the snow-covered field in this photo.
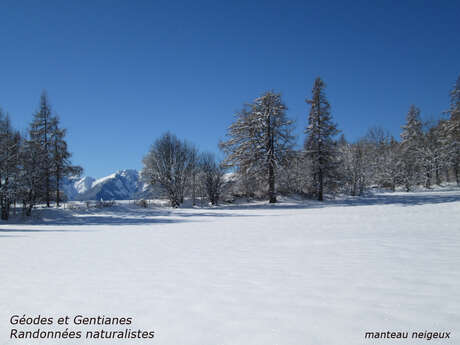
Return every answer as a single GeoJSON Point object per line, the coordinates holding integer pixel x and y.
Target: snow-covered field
{"type": "Point", "coordinates": [289, 274]}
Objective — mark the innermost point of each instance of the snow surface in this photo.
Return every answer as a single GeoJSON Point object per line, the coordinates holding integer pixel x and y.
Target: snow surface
{"type": "Point", "coordinates": [104, 179]}
{"type": "Point", "coordinates": [293, 273]}
{"type": "Point", "coordinates": [84, 184]}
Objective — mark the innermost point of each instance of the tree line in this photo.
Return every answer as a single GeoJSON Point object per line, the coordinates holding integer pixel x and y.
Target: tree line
{"type": "Point", "coordinates": [261, 156]}
{"type": "Point", "coordinates": [33, 164]}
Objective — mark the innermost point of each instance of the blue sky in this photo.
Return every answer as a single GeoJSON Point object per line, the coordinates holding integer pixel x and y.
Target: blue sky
{"type": "Point", "coordinates": [120, 73]}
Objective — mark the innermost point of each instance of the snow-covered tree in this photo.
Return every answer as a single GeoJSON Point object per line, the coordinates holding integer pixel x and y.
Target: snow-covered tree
{"type": "Point", "coordinates": [320, 146]}
{"type": "Point", "coordinates": [40, 133]}
{"type": "Point", "coordinates": [294, 176]}
{"type": "Point", "coordinates": [31, 174]}
{"type": "Point", "coordinates": [259, 140]}
{"type": "Point", "coordinates": [432, 156]}
{"type": "Point", "coordinates": [355, 166]}
{"type": "Point", "coordinates": [9, 164]}
{"type": "Point", "coordinates": [383, 158]}
{"type": "Point", "coordinates": [211, 176]}
{"type": "Point", "coordinates": [411, 148]}
{"type": "Point", "coordinates": [169, 163]}
{"type": "Point", "coordinates": [453, 131]}
{"type": "Point", "coordinates": [61, 166]}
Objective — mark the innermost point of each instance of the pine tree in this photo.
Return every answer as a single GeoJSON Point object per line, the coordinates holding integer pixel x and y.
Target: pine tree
{"type": "Point", "coordinates": [453, 130]}
{"type": "Point", "coordinates": [259, 140]}
{"type": "Point", "coordinates": [320, 146]}
{"type": "Point", "coordinates": [61, 165]}
{"type": "Point", "coordinates": [40, 133]}
{"type": "Point", "coordinates": [411, 148]}
{"type": "Point", "coordinates": [31, 175]}
{"type": "Point", "coordinates": [9, 164]}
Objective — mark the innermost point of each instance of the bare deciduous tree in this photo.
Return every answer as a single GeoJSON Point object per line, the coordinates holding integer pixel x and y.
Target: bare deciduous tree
{"type": "Point", "coordinates": [169, 163]}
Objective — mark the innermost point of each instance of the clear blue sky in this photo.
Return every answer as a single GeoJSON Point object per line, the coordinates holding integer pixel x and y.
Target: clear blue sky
{"type": "Point", "coordinates": [120, 73]}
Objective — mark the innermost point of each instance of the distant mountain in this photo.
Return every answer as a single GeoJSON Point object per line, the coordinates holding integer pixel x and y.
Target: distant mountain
{"type": "Point", "coordinates": [122, 185]}
{"type": "Point", "coordinates": [74, 186]}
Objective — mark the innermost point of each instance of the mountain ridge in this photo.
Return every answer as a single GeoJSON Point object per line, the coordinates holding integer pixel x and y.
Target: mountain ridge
{"type": "Point", "coordinates": [122, 185]}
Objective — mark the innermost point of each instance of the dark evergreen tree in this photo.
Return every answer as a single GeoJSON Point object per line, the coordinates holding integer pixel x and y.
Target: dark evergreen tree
{"type": "Point", "coordinates": [40, 133]}
{"type": "Point", "coordinates": [320, 146]}
{"type": "Point", "coordinates": [453, 131]}
{"type": "Point", "coordinates": [411, 148]}
{"type": "Point", "coordinates": [9, 165]}
{"type": "Point", "coordinates": [61, 166]}
{"type": "Point", "coordinates": [31, 175]}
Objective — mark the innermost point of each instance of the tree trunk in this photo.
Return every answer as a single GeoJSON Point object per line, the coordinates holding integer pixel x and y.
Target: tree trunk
{"type": "Point", "coordinates": [193, 188]}
{"type": "Point", "coordinates": [457, 177]}
{"type": "Point", "coordinates": [48, 198]}
{"type": "Point", "coordinates": [428, 180]}
{"type": "Point", "coordinates": [57, 187]}
{"type": "Point", "coordinates": [437, 176]}
{"type": "Point", "coordinates": [320, 185]}
{"type": "Point", "coordinates": [271, 160]}
{"type": "Point", "coordinates": [271, 183]}
{"type": "Point", "coordinates": [29, 210]}
{"type": "Point", "coordinates": [4, 212]}
{"type": "Point", "coordinates": [446, 174]}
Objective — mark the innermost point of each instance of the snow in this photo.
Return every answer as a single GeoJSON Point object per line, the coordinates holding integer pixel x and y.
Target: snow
{"type": "Point", "coordinates": [129, 173]}
{"type": "Point", "coordinates": [84, 184]}
{"type": "Point", "coordinates": [103, 179]}
{"type": "Point", "coordinates": [299, 272]}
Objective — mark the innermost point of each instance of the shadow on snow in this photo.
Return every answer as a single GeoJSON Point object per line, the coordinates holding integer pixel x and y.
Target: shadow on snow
{"type": "Point", "coordinates": [129, 215]}
{"type": "Point", "coordinates": [409, 199]}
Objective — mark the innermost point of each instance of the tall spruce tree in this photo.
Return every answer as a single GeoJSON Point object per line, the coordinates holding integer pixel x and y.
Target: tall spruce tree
{"type": "Point", "coordinates": [31, 174]}
{"type": "Point", "coordinates": [40, 133]}
{"type": "Point", "coordinates": [320, 145]}
{"type": "Point", "coordinates": [259, 140]}
{"type": "Point", "coordinates": [61, 166]}
{"type": "Point", "coordinates": [9, 164]}
{"type": "Point", "coordinates": [411, 148]}
{"type": "Point", "coordinates": [453, 130]}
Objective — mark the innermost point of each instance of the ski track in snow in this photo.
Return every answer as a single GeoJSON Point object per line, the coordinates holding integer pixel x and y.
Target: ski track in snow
{"type": "Point", "coordinates": [288, 274]}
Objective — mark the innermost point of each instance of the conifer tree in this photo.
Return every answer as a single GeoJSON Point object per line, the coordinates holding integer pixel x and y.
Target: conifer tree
{"type": "Point", "coordinates": [411, 148]}
{"type": "Point", "coordinates": [40, 133]}
{"type": "Point", "coordinates": [61, 165]}
{"type": "Point", "coordinates": [320, 145]}
{"type": "Point", "coordinates": [31, 174]}
{"type": "Point", "coordinates": [9, 164]}
{"type": "Point", "coordinates": [453, 130]}
{"type": "Point", "coordinates": [259, 140]}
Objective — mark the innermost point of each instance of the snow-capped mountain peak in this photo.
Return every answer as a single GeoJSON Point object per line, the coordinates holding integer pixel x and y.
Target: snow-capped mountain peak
{"type": "Point", "coordinates": [121, 185]}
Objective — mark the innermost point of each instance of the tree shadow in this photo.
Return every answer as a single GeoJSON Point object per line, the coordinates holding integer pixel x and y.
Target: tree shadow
{"type": "Point", "coordinates": [36, 230]}
{"type": "Point", "coordinates": [410, 199]}
{"type": "Point", "coordinates": [116, 215]}
{"type": "Point", "coordinates": [120, 215]}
